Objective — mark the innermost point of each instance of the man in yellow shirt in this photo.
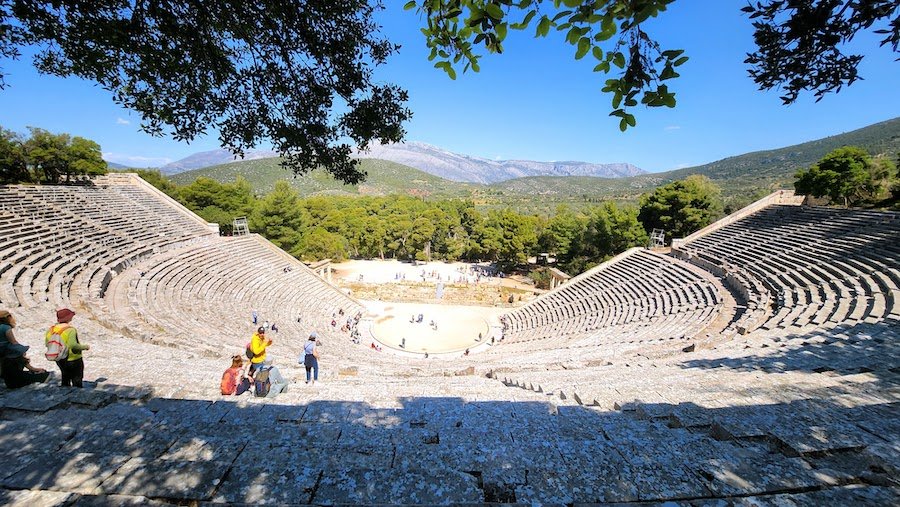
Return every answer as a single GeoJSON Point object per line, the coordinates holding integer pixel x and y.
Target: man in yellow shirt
{"type": "Point", "coordinates": [72, 367]}
{"type": "Point", "coordinates": [258, 345]}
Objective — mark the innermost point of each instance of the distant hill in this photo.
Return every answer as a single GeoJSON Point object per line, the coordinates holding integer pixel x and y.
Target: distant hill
{"type": "Point", "coordinates": [433, 160]}
{"type": "Point", "coordinates": [458, 167]}
{"type": "Point", "coordinates": [740, 177]}
{"type": "Point", "coordinates": [760, 171]}
{"type": "Point", "coordinates": [211, 158]}
{"type": "Point", "coordinates": [384, 178]}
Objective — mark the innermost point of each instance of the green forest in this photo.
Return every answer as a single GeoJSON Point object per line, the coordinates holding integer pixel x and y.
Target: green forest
{"type": "Point", "coordinates": [413, 228]}
{"type": "Point", "coordinates": [402, 213]}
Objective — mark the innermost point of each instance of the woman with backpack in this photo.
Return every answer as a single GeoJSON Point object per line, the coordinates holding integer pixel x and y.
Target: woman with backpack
{"type": "Point", "coordinates": [64, 347]}
{"type": "Point", "coordinates": [310, 357]}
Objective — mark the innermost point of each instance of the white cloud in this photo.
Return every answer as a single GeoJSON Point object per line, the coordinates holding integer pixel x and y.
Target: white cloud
{"type": "Point", "coordinates": [135, 160]}
{"type": "Point", "coordinates": [672, 127]}
{"type": "Point", "coordinates": [122, 121]}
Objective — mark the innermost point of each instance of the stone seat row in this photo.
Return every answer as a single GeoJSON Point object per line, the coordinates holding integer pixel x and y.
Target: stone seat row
{"type": "Point", "coordinates": [641, 287]}
{"type": "Point", "coordinates": [197, 288]}
{"type": "Point", "coordinates": [816, 265]}
{"type": "Point", "coordinates": [58, 234]}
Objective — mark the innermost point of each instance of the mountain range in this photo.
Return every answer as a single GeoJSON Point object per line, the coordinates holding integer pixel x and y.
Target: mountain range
{"type": "Point", "coordinates": [466, 168]}
{"type": "Point", "coordinates": [433, 160]}
{"type": "Point", "coordinates": [742, 178]}
{"type": "Point", "coordinates": [211, 158]}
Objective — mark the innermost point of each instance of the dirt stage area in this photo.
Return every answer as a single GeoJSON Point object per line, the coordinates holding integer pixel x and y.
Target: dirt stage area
{"type": "Point", "coordinates": [443, 328]}
{"type": "Point", "coordinates": [455, 283]}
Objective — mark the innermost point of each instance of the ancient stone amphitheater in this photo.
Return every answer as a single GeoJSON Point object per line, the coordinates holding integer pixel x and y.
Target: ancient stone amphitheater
{"type": "Point", "coordinates": [755, 364]}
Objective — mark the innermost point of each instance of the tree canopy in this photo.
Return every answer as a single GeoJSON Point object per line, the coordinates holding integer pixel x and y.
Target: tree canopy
{"type": "Point", "coordinates": [681, 207]}
{"type": "Point", "coordinates": [847, 176]}
{"type": "Point", "coordinates": [799, 41]}
{"type": "Point", "coordinates": [298, 73]}
{"type": "Point", "coordinates": [45, 157]}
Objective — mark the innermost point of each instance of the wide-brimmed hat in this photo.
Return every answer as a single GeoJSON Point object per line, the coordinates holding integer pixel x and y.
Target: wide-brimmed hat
{"type": "Point", "coordinates": [64, 313]}
{"type": "Point", "coordinates": [14, 350]}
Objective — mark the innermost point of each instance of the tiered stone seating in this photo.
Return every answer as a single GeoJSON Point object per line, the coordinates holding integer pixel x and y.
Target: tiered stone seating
{"type": "Point", "coordinates": [57, 237]}
{"type": "Point", "coordinates": [800, 266]}
{"type": "Point", "coordinates": [465, 442]}
{"type": "Point", "coordinates": [211, 288]}
{"type": "Point", "coordinates": [638, 298]}
{"type": "Point", "coordinates": [591, 398]}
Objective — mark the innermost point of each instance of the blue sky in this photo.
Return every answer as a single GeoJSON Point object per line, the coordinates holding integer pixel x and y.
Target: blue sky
{"type": "Point", "coordinates": [534, 101]}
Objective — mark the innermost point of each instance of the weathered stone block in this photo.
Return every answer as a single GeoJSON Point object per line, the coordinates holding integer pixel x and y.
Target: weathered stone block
{"type": "Point", "coordinates": [77, 473]}
{"type": "Point", "coordinates": [183, 480]}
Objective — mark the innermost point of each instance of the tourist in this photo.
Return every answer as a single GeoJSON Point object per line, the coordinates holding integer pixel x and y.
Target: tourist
{"type": "Point", "coordinates": [255, 317]}
{"type": "Point", "coordinates": [16, 367]}
{"type": "Point", "coordinates": [310, 357]}
{"type": "Point", "coordinates": [7, 323]}
{"type": "Point", "coordinates": [466, 353]}
{"type": "Point", "coordinates": [274, 328]}
{"type": "Point", "coordinates": [232, 376]}
{"type": "Point", "coordinates": [72, 366]}
{"type": "Point", "coordinates": [268, 382]}
{"type": "Point", "coordinates": [258, 345]}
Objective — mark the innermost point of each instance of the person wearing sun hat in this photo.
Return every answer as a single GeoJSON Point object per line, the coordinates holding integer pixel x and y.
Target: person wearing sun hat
{"type": "Point", "coordinates": [17, 370]}
{"type": "Point", "coordinates": [72, 367]}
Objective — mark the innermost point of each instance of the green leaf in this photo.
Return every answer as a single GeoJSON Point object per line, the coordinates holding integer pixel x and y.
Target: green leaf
{"type": "Point", "coordinates": [584, 45]}
{"type": "Point", "coordinates": [607, 29]}
{"type": "Point", "coordinates": [619, 60]}
{"type": "Point", "coordinates": [494, 11]}
{"type": "Point", "coordinates": [629, 118]}
{"type": "Point", "coordinates": [680, 61]}
{"type": "Point", "coordinates": [447, 68]}
{"type": "Point", "coordinates": [623, 125]}
{"type": "Point", "coordinates": [501, 31]}
{"type": "Point", "coordinates": [597, 52]}
{"type": "Point", "coordinates": [543, 27]}
{"type": "Point", "coordinates": [409, 5]}
{"type": "Point", "coordinates": [573, 35]}
{"type": "Point", "coordinates": [528, 18]}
